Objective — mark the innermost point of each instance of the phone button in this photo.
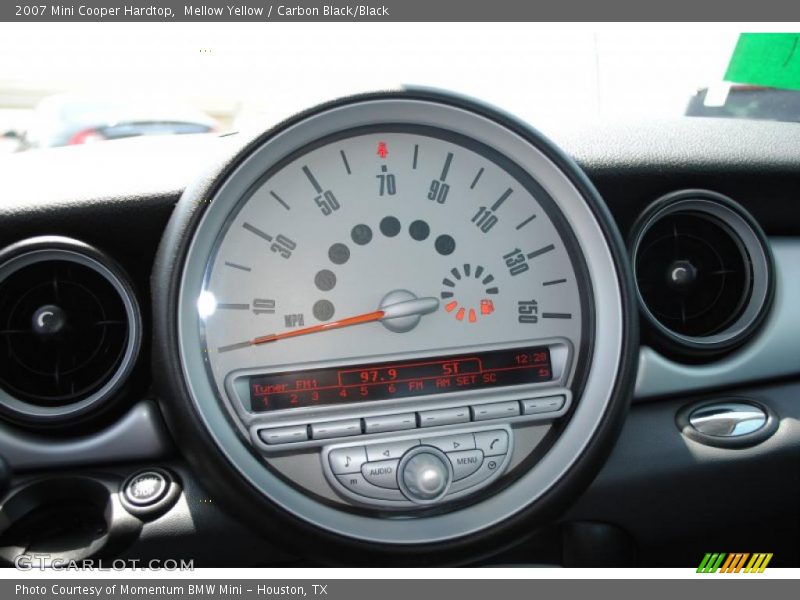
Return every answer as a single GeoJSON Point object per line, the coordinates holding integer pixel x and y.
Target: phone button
{"type": "Point", "coordinates": [493, 443]}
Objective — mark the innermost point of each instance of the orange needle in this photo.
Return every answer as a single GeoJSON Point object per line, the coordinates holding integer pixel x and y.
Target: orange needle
{"type": "Point", "coordinates": [376, 315]}
{"type": "Point", "coordinates": [412, 307]}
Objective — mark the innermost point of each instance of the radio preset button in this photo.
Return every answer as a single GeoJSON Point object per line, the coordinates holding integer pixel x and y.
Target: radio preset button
{"type": "Point", "coordinates": [334, 429]}
{"type": "Point", "coordinates": [356, 483]}
{"type": "Point", "coordinates": [498, 410]}
{"type": "Point", "coordinates": [284, 435]}
{"type": "Point", "coordinates": [389, 450]}
{"type": "Point", "coordinates": [382, 474]}
{"type": "Point", "coordinates": [492, 443]}
{"type": "Point", "coordinates": [535, 406]}
{"type": "Point", "coordinates": [386, 423]}
{"type": "Point", "coordinates": [446, 416]}
{"type": "Point", "coordinates": [347, 460]}
{"type": "Point", "coordinates": [465, 463]}
{"type": "Point", "coordinates": [452, 443]}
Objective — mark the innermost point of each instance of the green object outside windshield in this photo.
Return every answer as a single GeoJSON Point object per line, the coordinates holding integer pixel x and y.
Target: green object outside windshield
{"type": "Point", "coordinates": [766, 59]}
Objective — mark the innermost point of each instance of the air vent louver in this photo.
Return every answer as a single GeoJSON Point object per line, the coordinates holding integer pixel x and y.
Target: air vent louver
{"type": "Point", "coordinates": [69, 327]}
{"type": "Point", "coordinates": [692, 274]}
{"type": "Point", "coordinates": [702, 270]}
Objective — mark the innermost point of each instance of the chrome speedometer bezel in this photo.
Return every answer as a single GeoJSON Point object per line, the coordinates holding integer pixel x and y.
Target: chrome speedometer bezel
{"type": "Point", "coordinates": [593, 425]}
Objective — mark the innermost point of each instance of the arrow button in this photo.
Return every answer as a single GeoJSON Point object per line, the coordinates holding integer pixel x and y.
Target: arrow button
{"type": "Point", "coordinates": [451, 443]}
{"type": "Point", "coordinates": [389, 449]}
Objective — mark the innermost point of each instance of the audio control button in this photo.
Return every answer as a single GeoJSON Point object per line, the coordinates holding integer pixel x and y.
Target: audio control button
{"type": "Point", "coordinates": [490, 466]}
{"type": "Point", "coordinates": [425, 474]}
{"type": "Point", "coordinates": [357, 484]}
{"type": "Point", "coordinates": [386, 423]}
{"type": "Point", "coordinates": [284, 435]}
{"type": "Point", "coordinates": [536, 406]}
{"type": "Point", "coordinates": [347, 460]}
{"type": "Point", "coordinates": [383, 473]}
{"type": "Point", "coordinates": [498, 410]}
{"type": "Point", "coordinates": [492, 443]}
{"type": "Point", "coordinates": [333, 429]}
{"type": "Point", "coordinates": [465, 463]}
{"type": "Point", "coordinates": [446, 416]}
{"type": "Point", "coordinates": [452, 443]}
{"type": "Point", "coordinates": [389, 450]}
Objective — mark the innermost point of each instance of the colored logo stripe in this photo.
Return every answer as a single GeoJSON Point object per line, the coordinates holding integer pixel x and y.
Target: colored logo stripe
{"type": "Point", "coordinates": [710, 562]}
{"type": "Point", "coordinates": [734, 563]}
{"type": "Point", "coordinates": [758, 563]}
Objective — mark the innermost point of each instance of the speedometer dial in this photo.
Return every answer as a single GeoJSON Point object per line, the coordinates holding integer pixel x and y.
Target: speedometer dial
{"type": "Point", "coordinates": [400, 240]}
{"type": "Point", "coordinates": [402, 318]}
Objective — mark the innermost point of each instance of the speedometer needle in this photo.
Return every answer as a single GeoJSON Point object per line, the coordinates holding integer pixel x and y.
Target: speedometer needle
{"type": "Point", "coordinates": [406, 308]}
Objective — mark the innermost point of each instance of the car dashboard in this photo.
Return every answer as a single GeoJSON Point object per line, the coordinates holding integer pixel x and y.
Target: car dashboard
{"type": "Point", "coordinates": [404, 328]}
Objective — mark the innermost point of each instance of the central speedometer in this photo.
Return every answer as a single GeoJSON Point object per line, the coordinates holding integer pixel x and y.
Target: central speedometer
{"type": "Point", "coordinates": [402, 318]}
{"type": "Point", "coordinates": [386, 241]}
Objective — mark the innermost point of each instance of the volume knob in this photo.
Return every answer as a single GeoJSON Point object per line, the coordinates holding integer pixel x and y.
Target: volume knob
{"type": "Point", "coordinates": [425, 474]}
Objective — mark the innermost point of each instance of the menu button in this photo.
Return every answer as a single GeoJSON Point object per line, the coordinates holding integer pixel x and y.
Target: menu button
{"type": "Point", "coordinates": [465, 463]}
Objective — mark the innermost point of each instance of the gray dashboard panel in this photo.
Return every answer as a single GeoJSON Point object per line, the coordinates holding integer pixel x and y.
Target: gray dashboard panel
{"type": "Point", "coordinates": [139, 435]}
{"type": "Point", "coordinates": [661, 486]}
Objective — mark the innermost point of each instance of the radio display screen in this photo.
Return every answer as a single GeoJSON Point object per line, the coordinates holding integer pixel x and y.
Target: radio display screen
{"type": "Point", "coordinates": [400, 379]}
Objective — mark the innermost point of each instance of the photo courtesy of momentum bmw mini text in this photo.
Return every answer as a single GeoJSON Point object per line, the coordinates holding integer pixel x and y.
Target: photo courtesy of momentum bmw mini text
{"type": "Point", "coordinates": [399, 300]}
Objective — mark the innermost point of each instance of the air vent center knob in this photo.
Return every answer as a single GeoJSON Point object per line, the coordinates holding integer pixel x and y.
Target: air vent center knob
{"type": "Point", "coordinates": [48, 320]}
{"type": "Point", "coordinates": [681, 275]}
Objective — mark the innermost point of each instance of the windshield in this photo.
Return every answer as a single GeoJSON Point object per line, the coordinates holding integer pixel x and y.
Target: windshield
{"type": "Point", "coordinates": [88, 82]}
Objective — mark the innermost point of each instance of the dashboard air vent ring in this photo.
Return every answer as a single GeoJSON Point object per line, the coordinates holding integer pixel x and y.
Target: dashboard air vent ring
{"type": "Point", "coordinates": [704, 272]}
{"type": "Point", "coordinates": [70, 329]}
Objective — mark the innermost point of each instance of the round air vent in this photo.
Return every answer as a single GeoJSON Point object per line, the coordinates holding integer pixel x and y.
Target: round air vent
{"type": "Point", "coordinates": [703, 272]}
{"type": "Point", "coordinates": [70, 329]}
